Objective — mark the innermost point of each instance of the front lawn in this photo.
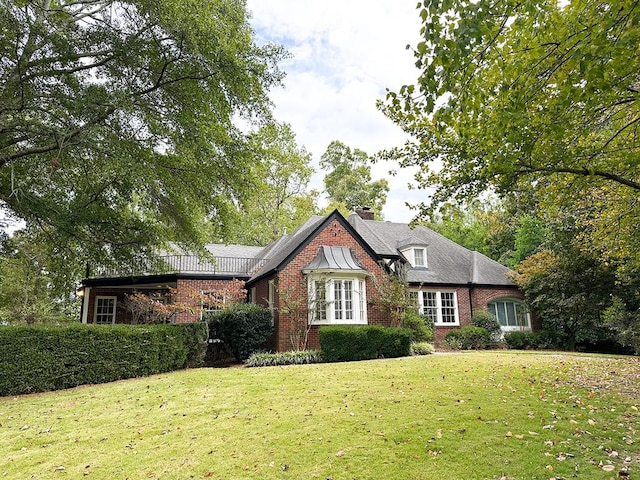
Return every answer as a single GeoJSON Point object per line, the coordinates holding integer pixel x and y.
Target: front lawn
{"type": "Point", "coordinates": [502, 415]}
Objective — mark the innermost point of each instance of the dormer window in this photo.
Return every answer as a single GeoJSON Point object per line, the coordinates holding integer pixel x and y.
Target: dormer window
{"type": "Point", "coordinates": [419, 257]}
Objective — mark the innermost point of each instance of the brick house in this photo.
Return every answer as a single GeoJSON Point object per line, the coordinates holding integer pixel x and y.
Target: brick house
{"type": "Point", "coordinates": [327, 272]}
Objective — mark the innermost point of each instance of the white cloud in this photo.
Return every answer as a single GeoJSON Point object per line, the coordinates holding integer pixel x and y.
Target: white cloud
{"type": "Point", "coordinates": [344, 55]}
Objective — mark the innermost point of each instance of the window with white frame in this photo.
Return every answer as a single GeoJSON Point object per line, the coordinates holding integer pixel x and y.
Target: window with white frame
{"type": "Point", "coordinates": [511, 314]}
{"type": "Point", "coordinates": [105, 310]}
{"type": "Point", "coordinates": [419, 257]}
{"type": "Point", "coordinates": [337, 300]}
{"type": "Point", "coordinates": [440, 306]}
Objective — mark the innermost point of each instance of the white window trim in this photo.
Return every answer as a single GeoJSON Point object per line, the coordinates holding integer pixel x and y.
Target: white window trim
{"type": "Point", "coordinates": [95, 308]}
{"type": "Point", "coordinates": [438, 321]}
{"type": "Point", "coordinates": [513, 328]}
{"type": "Point", "coordinates": [358, 298]}
{"type": "Point", "coordinates": [424, 257]}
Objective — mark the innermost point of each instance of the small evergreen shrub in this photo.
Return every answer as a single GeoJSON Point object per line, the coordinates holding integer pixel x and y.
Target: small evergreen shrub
{"type": "Point", "coordinates": [352, 343]}
{"type": "Point", "coordinates": [489, 322]}
{"type": "Point", "coordinates": [244, 328]}
{"type": "Point", "coordinates": [468, 338]}
{"type": "Point", "coordinates": [519, 340]}
{"type": "Point", "coordinates": [474, 338]}
{"type": "Point", "coordinates": [420, 331]}
{"type": "Point", "coordinates": [421, 348]}
{"type": "Point", "coordinates": [299, 357]}
{"type": "Point", "coordinates": [452, 340]}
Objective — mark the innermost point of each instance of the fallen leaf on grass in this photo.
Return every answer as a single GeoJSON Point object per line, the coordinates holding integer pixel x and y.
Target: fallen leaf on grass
{"type": "Point", "coordinates": [340, 453]}
{"type": "Point", "coordinates": [608, 468]}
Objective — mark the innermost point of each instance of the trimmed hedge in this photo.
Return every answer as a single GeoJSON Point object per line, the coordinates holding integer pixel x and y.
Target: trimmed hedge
{"type": "Point", "coordinates": [43, 358]}
{"type": "Point", "coordinates": [244, 328]}
{"type": "Point", "coordinates": [351, 343]}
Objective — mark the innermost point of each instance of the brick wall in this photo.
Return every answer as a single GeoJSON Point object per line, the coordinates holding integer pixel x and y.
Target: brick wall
{"type": "Point", "coordinates": [185, 290]}
{"type": "Point", "coordinates": [293, 283]}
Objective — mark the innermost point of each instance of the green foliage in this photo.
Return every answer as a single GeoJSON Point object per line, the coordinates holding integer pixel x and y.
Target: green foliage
{"type": "Point", "coordinates": [484, 319]}
{"type": "Point", "coordinates": [625, 321]}
{"type": "Point", "coordinates": [468, 338]}
{"type": "Point", "coordinates": [27, 292]}
{"type": "Point", "coordinates": [196, 336]}
{"type": "Point", "coordinates": [280, 201]}
{"type": "Point", "coordinates": [42, 358]}
{"type": "Point", "coordinates": [422, 348]}
{"type": "Point", "coordinates": [119, 134]}
{"type": "Point", "coordinates": [298, 357]}
{"type": "Point", "coordinates": [244, 328]}
{"type": "Point", "coordinates": [349, 179]}
{"type": "Point", "coordinates": [414, 322]}
{"type": "Point", "coordinates": [529, 237]}
{"type": "Point", "coordinates": [531, 99]}
{"type": "Point", "coordinates": [349, 343]}
{"type": "Point", "coordinates": [520, 340]}
{"type": "Point", "coordinates": [568, 292]}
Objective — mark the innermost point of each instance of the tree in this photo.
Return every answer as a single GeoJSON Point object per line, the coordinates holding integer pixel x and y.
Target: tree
{"type": "Point", "coordinates": [27, 293]}
{"type": "Point", "coordinates": [117, 119]}
{"type": "Point", "coordinates": [349, 179]}
{"type": "Point", "coordinates": [569, 293]}
{"type": "Point", "coordinates": [280, 201]}
{"type": "Point", "coordinates": [528, 96]}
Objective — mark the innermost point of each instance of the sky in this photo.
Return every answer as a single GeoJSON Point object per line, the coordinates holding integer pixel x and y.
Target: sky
{"type": "Point", "coordinates": [344, 55]}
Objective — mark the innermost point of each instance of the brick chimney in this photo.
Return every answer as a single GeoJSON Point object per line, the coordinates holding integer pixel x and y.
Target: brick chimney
{"type": "Point", "coordinates": [365, 213]}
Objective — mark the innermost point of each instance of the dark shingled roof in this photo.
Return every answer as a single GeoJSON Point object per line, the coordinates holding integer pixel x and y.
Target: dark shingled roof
{"type": "Point", "coordinates": [447, 262]}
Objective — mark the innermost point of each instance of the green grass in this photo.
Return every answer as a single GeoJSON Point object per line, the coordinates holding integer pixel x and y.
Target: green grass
{"type": "Point", "coordinates": [449, 416]}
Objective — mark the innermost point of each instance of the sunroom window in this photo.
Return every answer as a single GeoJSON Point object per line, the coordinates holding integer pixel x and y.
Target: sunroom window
{"type": "Point", "coordinates": [511, 314]}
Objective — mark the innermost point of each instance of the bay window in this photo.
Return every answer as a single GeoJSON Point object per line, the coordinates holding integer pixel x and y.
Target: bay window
{"type": "Point", "coordinates": [337, 300]}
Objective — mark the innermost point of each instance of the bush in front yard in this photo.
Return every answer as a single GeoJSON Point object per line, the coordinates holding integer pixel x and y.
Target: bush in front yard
{"type": "Point", "coordinates": [351, 343]}
{"type": "Point", "coordinates": [420, 331]}
{"type": "Point", "coordinates": [519, 340]}
{"type": "Point", "coordinates": [489, 322]}
{"type": "Point", "coordinates": [468, 338]}
{"type": "Point", "coordinates": [37, 359]}
{"type": "Point", "coordinates": [244, 328]}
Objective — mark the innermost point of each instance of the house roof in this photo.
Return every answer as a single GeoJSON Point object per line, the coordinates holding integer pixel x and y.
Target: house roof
{"type": "Point", "coordinates": [333, 258]}
{"type": "Point", "coordinates": [286, 248]}
{"type": "Point", "coordinates": [447, 262]}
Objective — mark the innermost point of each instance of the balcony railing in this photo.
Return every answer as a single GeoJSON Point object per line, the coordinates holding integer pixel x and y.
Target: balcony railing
{"type": "Point", "coordinates": [168, 264]}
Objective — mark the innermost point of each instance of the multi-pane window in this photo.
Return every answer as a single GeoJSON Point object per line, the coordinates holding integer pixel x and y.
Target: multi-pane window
{"type": "Point", "coordinates": [212, 302]}
{"type": "Point", "coordinates": [105, 310]}
{"type": "Point", "coordinates": [441, 307]}
{"type": "Point", "coordinates": [419, 257]}
{"type": "Point", "coordinates": [511, 314]}
{"type": "Point", "coordinates": [319, 301]}
{"type": "Point", "coordinates": [337, 300]}
{"type": "Point", "coordinates": [430, 305]}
